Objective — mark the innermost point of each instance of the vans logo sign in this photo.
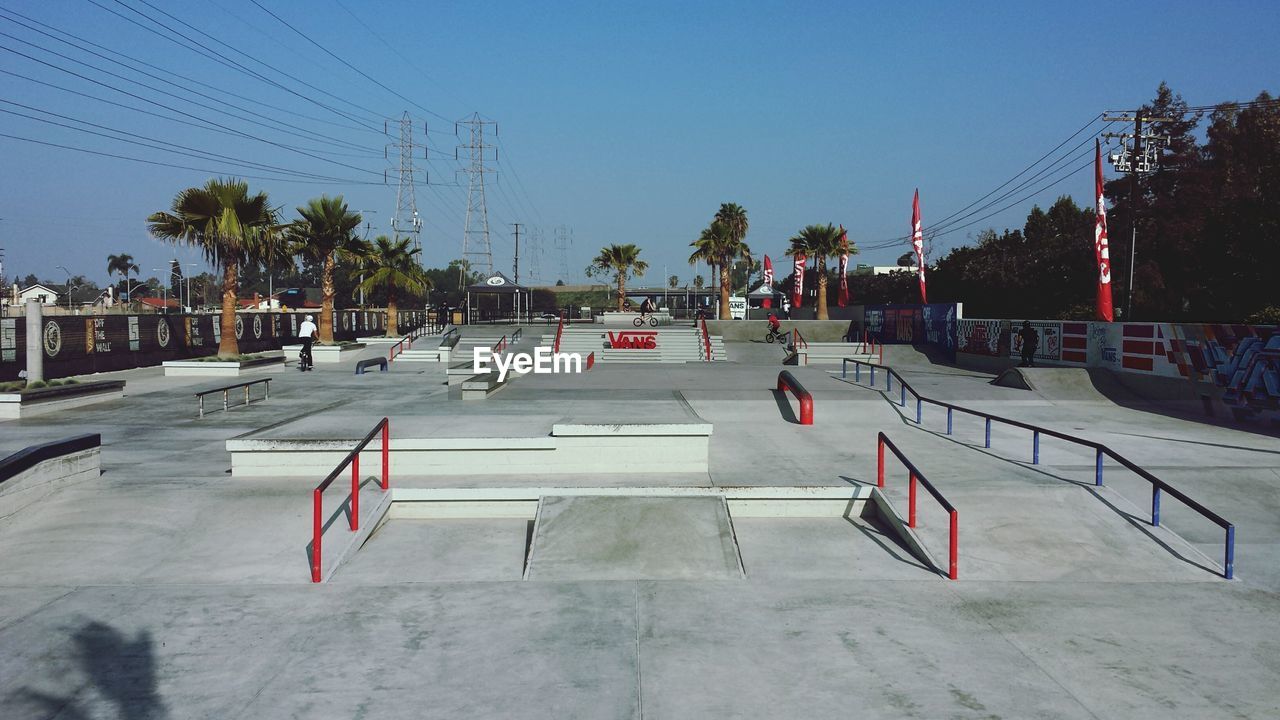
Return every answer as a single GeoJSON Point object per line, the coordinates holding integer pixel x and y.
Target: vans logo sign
{"type": "Point", "coordinates": [633, 340]}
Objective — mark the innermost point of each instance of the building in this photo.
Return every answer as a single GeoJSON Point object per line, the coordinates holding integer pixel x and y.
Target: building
{"type": "Point", "coordinates": [40, 293]}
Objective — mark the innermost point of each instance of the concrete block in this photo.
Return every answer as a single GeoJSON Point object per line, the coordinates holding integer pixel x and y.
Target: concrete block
{"type": "Point", "coordinates": [624, 538]}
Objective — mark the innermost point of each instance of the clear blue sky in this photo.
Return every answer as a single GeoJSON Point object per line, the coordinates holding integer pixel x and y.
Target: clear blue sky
{"type": "Point", "coordinates": [628, 122]}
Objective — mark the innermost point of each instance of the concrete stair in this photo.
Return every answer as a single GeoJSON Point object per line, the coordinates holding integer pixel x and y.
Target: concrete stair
{"type": "Point", "coordinates": [674, 345]}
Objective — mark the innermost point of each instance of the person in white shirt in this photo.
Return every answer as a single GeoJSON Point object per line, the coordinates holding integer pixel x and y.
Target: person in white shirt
{"type": "Point", "coordinates": [307, 332]}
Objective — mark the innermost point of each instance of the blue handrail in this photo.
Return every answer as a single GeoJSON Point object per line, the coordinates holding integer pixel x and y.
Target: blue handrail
{"type": "Point", "coordinates": [1158, 486]}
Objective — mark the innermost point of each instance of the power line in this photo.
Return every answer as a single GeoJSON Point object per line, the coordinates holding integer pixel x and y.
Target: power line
{"type": "Point", "coordinates": [153, 66]}
{"type": "Point", "coordinates": [151, 143]}
{"type": "Point", "coordinates": [181, 112]}
{"type": "Point", "coordinates": [161, 164]}
{"type": "Point", "coordinates": [326, 139]}
{"type": "Point", "coordinates": [221, 59]}
{"type": "Point", "coordinates": [331, 54]}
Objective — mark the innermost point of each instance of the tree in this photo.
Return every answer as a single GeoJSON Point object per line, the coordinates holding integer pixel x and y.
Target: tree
{"type": "Point", "coordinates": [227, 224]}
{"type": "Point", "coordinates": [324, 232]}
{"type": "Point", "coordinates": [818, 242]}
{"type": "Point", "coordinates": [673, 282]}
{"type": "Point", "coordinates": [719, 245]}
{"type": "Point", "coordinates": [698, 282]}
{"type": "Point", "coordinates": [122, 264]}
{"type": "Point", "coordinates": [390, 264]}
{"type": "Point", "coordinates": [620, 261]}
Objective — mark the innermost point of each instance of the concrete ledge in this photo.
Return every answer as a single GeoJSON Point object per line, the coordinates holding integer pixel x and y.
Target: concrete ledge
{"type": "Point", "coordinates": [194, 368]}
{"type": "Point", "coordinates": [630, 429]}
{"type": "Point", "coordinates": [30, 403]}
{"type": "Point", "coordinates": [32, 474]}
{"type": "Point", "coordinates": [618, 449]}
{"type": "Point", "coordinates": [340, 543]}
{"type": "Point", "coordinates": [324, 353]}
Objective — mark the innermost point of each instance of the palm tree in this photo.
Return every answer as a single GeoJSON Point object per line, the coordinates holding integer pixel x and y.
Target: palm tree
{"type": "Point", "coordinates": [698, 282]}
{"type": "Point", "coordinates": [394, 265]}
{"type": "Point", "coordinates": [123, 264]}
{"type": "Point", "coordinates": [673, 282]}
{"type": "Point", "coordinates": [325, 231]}
{"type": "Point", "coordinates": [719, 246]}
{"type": "Point", "coordinates": [619, 261]}
{"type": "Point", "coordinates": [818, 242]}
{"type": "Point", "coordinates": [227, 224]}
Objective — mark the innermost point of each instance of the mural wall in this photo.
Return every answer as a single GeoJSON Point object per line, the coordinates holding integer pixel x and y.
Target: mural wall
{"type": "Point", "coordinates": [83, 344]}
{"type": "Point", "coordinates": [934, 324]}
{"type": "Point", "coordinates": [1242, 362]}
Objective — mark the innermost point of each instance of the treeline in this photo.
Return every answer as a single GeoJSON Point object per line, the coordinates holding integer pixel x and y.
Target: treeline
{"type": "Point", "coordinates": [1208, 234]}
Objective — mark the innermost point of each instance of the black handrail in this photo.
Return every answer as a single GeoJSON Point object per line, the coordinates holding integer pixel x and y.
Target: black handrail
{"type": "Point", "coordinates": [233, 387]}
{"type": "Point", "coordinates": [451, 337]}
{"type": "Point", "coordinates": [1157, 485]}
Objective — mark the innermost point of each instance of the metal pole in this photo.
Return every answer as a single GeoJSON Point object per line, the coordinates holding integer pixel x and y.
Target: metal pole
{"type": "Point", "coordinates": [1133, 207]}
{"type": "Point", "coordinates": [35, 343]}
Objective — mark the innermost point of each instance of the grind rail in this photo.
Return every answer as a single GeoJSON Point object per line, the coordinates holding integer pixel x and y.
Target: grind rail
{"type": "Point", "coordinates": [266, 393]}
{"type": "Point", "coordinates": [317, 496]}
{"type": "Point", "coordinates": [917, 477]}
{"type": "Point", "coordinates": [787, 381]}
{"type": "Point", "coordinates": [1101, 451]}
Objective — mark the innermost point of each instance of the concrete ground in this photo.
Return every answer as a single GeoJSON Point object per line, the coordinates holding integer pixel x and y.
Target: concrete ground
{"type": "Point", "coordinates": [165, 588]}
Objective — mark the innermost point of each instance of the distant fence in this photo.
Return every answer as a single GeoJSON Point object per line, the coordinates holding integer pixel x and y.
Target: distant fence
{"type": "Point", "coordinates": [83, 344]}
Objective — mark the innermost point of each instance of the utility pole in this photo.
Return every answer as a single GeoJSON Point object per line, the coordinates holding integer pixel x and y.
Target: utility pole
{"type": "Point", "coordinates": [406, 219]}
{"type": "Point", "coordinates": [476, 247]}
{"type": "Point", "coordinates": [516, 267]}
{"type": "Point", "coordinates": [1142, 156]}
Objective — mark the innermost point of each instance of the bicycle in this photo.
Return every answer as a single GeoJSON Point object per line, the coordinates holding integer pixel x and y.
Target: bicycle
{"type": "Point", "coordinates": [775, 335]}
{"type": "Point", "coordinates": [639, 322]}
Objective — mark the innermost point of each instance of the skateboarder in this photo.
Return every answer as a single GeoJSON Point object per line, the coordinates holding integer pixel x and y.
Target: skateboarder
{"type": "Point", "coordinates": [307, 333]}
{"type": "Point", "coordinates": [1030, 341]}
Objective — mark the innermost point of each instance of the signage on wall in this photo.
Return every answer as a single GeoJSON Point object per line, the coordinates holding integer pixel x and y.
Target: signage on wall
{"type": "Point", "coordinates": [633, 340]}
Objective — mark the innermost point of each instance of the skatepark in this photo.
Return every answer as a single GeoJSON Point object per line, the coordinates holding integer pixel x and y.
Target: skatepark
{"type": "Point", "coordinates": [661, 539]}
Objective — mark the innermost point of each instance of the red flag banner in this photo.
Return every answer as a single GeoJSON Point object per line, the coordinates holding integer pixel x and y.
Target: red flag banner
{"type": "Point", "coordinates": [917, 241]}
{"type": "Point", "coordinates": [1100, 248]}
{"type": "Point", "coordinates": [768, 281]}
{"type": "Point", "coordinates": [843, 298]}
{"type": "Point", "coordinates": [797, 290]}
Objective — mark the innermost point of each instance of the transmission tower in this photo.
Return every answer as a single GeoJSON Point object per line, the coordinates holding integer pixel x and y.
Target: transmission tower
{"type": "Point", "coordinates": [564, 240]}
{"type": "Point", "coordinates": [476, 248]}
{"type": "Point", "coordinates": [534, 254]}
{"type": "Point", "coordinates": [406, 221]}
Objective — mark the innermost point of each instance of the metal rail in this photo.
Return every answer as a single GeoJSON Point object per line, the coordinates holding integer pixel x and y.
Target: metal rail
{"type": "Point", "coordinates": [787, 381]}
{"type": "Point", "coordinates": [706, 339]}
{"type": "Point", "coordinates": [317, 495]}
{"type": "Point", "coordinates": [1101, 451]}
{"type": "Point", "coordinates": [266, 393]}
{"type": "Point", "coordinates": [917, 477]}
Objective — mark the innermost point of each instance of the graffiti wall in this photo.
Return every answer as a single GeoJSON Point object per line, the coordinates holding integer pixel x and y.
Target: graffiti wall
{"type": "Point", "coordinates": [934, 324]}
{"type": "Point", "coordinates": [84, 344]}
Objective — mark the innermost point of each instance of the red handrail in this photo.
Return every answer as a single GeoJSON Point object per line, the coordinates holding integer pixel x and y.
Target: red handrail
{"type": "Point", "coordinates": [555, 348]}
{"type": "Point", "coordinates": [800, 341]}
{"type": "Point", "coordinates": [953, 553]}
{"type": "Point", "coordinates": [787, 381]}
{"type": "Point", "coordinates": [400, 347]}
{"type": "Point", "coordinates": [706, 339]}
{"type": "Point", "coordinates": [500, 345]}
{"type": "Point", "coordinates": [317, 495]}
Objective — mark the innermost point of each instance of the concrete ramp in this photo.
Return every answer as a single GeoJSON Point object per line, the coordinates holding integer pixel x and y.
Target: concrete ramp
{"type": "Point", "coordinates": [633, 538]}
{"type": "Point", "coordinates": [1064, 384]}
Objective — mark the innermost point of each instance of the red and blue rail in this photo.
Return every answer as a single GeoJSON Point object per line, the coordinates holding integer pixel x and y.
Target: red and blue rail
{"type": "Point", "coordinates": [1158, 487]}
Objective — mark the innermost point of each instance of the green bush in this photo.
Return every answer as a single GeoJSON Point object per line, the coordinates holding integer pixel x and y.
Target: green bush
{"type": "Point", "coordinates": [1269, 315]}
{"type": "Point", "coordinates": [37, 385]}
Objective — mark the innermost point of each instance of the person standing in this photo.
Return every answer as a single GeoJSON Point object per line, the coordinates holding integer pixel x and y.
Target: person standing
{"type": "Point", "coordinates": [307, 332]}
{"type": "Point", "coordinates": [1030, 341]}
